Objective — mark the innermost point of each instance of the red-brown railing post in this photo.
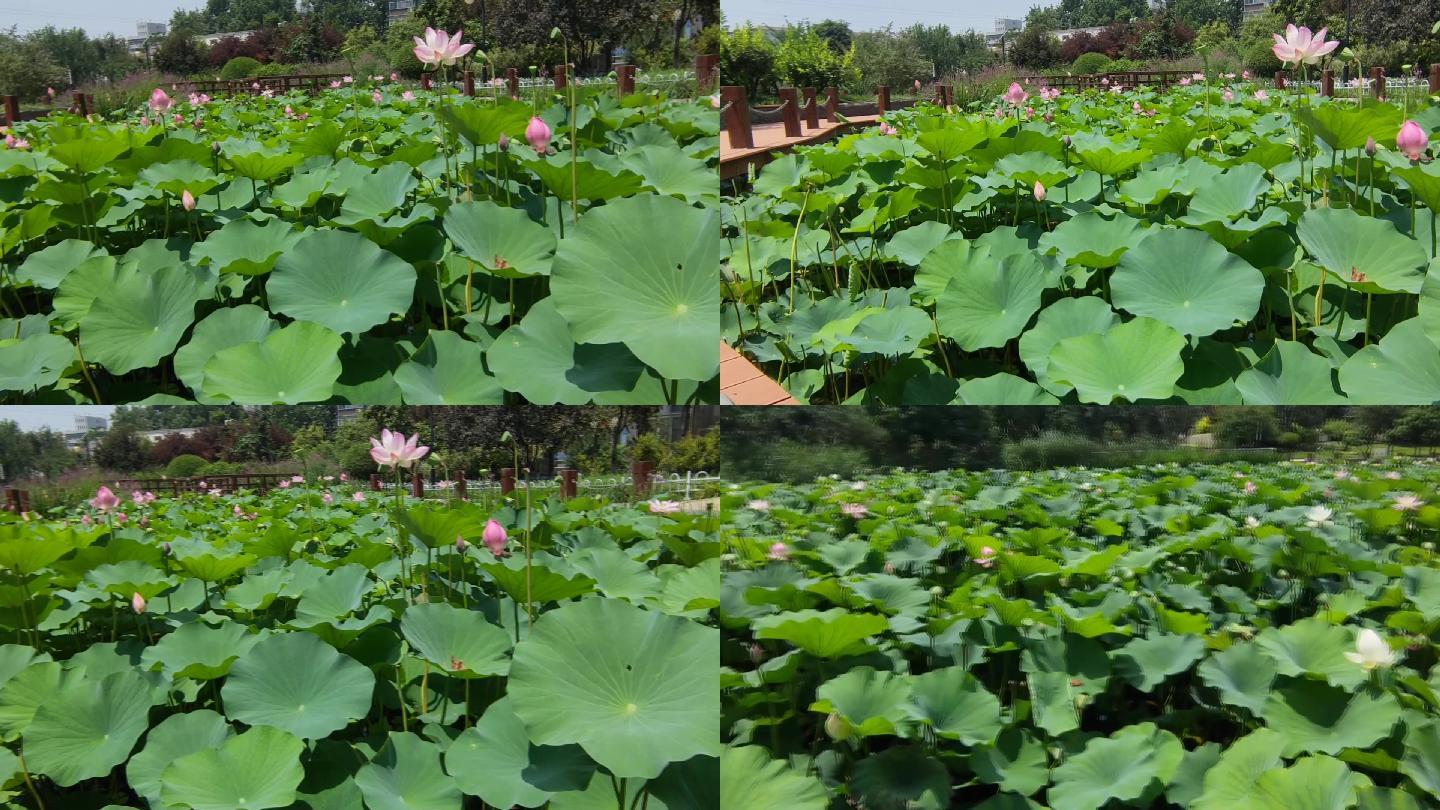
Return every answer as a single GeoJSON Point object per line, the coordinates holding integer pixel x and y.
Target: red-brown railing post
{"type": "Point", "coordinates": [374, 482]}
{"type": "Point", "coordinates": [1377, 74]}
{"type": "Point", "coordinates": [12, 111]}
{"type": "Point", "coordinates": [790, 111]}
{"type": "Point", "coordinates": [1327, 83]}
{"type": "Point", "coordinates": [512, 81]}
{"type": "Point", "coordinates": [507, 480]}
{"type": "Point", "coordinates": [832, 104]}
{"type": "Point", "coordinates": [1279, 80]}
{"type": "Point", "coordinates": [736, 117]}
{"type": "Point", "coordinates": [625, 80]}
{"type": "Point", "coordinates": [425, 81]}
{"type": "Point", "coordinates": [812, 109]}
{"type": "Point", "coordinates": [417, 484]}
{"type": "Point", "coordinates": [561, 76]}
{"type": "Point", "coordinates": [705, 70]}
{"type": "Point", "coordinates": [1434, 79]}
{"type": "Point", "coordinates": [947, 95]}
{"type": "Point", "coordinates": [470, 83]}
{"type": "Point", "coordinates": [460, 488]}
{"type": "Point", "coordinates": [882, 99]}
{"type": "Point", "coordinates": [569, 483]}
{"type": "Point", "coordinates": [640, 477]}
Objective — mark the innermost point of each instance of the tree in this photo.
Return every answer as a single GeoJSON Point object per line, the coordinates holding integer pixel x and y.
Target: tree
{"type": "Point", "coordinates": [747, 58]}
{"type": "Point", "coordinates": [1199, 13]}
{"type": "Point", "coordinates": [885, 58]}
{"type": "Point", "coordinates": [1035, 48]}
{"type": "Point", "coordinates": [70, 48]}
{"type": "Point", "coordinates": [836, 34]}
{"type": "Point", "coordinates": [26, 69]}
{"type": "Point", "coordinates": [180, 54]}
{"type": "Point", "coordinates": [805, 60]}
{"type": "Point", "coordinates": [122, 451]}
{"type": "Point", "coordinates": [344, 15]}
{"type": "Point", "coordinates": [23, 454]}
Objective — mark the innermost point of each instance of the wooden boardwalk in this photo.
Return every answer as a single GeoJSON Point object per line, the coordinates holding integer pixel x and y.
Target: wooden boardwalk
{"type": "Point", "coordinates": [741, 383]}
{"type": "Point", "coordinates": [770, 139]}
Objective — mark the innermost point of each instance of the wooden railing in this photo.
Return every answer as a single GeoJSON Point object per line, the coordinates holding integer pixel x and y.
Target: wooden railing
{"type": "Point", "coordinates": [82, 104]}
{"type": "Point", "coordinates": [260, 482]}
{"type": "Point", "coordinates": [799, 110]}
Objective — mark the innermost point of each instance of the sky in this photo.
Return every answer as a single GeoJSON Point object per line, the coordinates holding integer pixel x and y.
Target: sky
{"type": "Point", "coordinates": [97, 17]}
{"type": "Point", "coordinates": [55, 417]}
{"type": "Point", "coordinates": [960, 15]}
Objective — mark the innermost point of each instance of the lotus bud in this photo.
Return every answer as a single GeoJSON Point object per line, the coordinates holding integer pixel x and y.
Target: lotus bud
{"type": "Point", "coordinates": [538, 134]}
{"type": "Point", "coordinates": [188, 200]}
{"type": "Point", "coordinates": [137, 602]}
{"type": "Point", "coordinates": [494, 537]}
{"type": "Point", "coordinates": [757, 653]}
{"type": "Point", "coordinates": [1067, 140]}
{"type": "Point", "coordinates": [460, 544]}
{"type": "Point", "coordinates": [504, 142]}
{"type": "Point", "coordinates": [1039, 192]}
{"type": "Point", "coordinates": [1412, 140]}
{"type": "Point", "coordinates": [838, 727]}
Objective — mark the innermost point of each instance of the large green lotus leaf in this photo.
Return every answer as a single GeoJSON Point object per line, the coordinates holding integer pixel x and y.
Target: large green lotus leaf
{"type": "Point", "coordinates": [406, 775]}
{"type": "Point", "coordinates": [1133, 361]}
{"type": "Point", "coordinates": [1003, 389]}
{"type": "Point", "coordinates": [825, 634]}
{"type": "Point", "coordinates": [956, 705]}
{"type": "Point", "coordinates": [505, 242]}
{"type": "Point", "coordinates": [176, 177]}
{"type": "Point", "coordinates": [460, 642]}
{"type": "Point", "coordinates": [87, 727]}
{"type": "Point", "coordinates": [616, 575]}
{"type": "Point", "coordinates": [26, 690]}
{"type": "Point", "coordinates": [35, 362]}
{"type": "Point", "coordinates": [87, 149]}
{"type": "Point", "coordinates": [1029, 168]}
{"type": "Point", "coordinates": [1402, 369]}
{"type": "Point", "coordinates": [199, 651]}
{"type": "Point", "coordinates": [911, 245]}
{"type": "Point", "coordinates": [483, 124]}
{"type": "Point", "coordinates": [1015, 761]}
{"type": "Point", "coordinates": [489, 760]}
{"type": "Point", "coordinates": [342, 281]}
{"type": "Point", "coordinates": [1091, 240]}
{"type": "Point", "coordinates": [1314, 716]}
{"type": "Point", "coordinates": [47, 268]}
{"type": "Point", "coordinates": [447, 369]}
{"type": "Point", "coordinates": [671, 171]}
{"type": "Point", "coordinates": [1312, 783]}
{"type": "Point", "coordinates": [1187, 280]}
{"type": "Point", "coordinates": [694, 783]}
{"type": "Point", "coordinates": [1430, 303]}
{"type": "Point", "coordinates": [587, 177]}
{"type": "Point", "coordinates": [1378, 798]}
{"type": "Point", "coordinates": [298, 683]}
{"type": "Point", "coordinates": [1242, 674]}
{"type": "Point", "coordinates": [218, 331]}
{"type": "Point", "coordinates": [540, 582]}
{"type": "Point", "coordinates": [1422, 755]}
{"type": "Point", "coordinates": [1229, 195]}
{"type": "Point", "coordinates": [258, 162]}
{"type": "Point", "coordinates": [1341, 126]}
{"type": "Point", "coordinates": [1312, 647]}
{"type": "Point", "coordinates": [255, 770]}
{"type": "Point", "coordinates": [330, 598]}
{"type": "Point", "coordinates": [1147, 662]}
{"type": "Point", "coordinates": [91, 279]}
{"type": "Point", "coordinates": [141, 319]}
{"type": "Point", "coordinates": [1423, 180]}
{"type": "Point", "coordinates": [376, 195]}
{"type": "Point", "coordinates": [989, 302]}
{"type": "Point", "coordinates": [904, 777]}
{"type": "Point", "coordinates": [892, 332]}
{"type": "Point", "coordinates": [1068, 317]}
{"type": "Point", "coordinates": [873, 703]}
{"type": "Point", "coordinates": [1289, 374]}
{"type": "Point", "coordinates": [175, 737]}
{"type": "Point", "coordinates": [535, 356]}
{"type": "Point", "coordinates": [1345, 243]}
{"type": "Point", "coordinates": [244, 247]}
{"type": "Point", "coordinates": [616, 283]}
{"type": "Point", "coordinates": [294, 364]}
{"type": "Point", "coordinates": [1232, 783]}
{"type": "Point", "coordinates": [1132, 764]}
{"type": "Point", "coordinates": [750, 779]}
{"type": "Point", "coordinates": [636, 689]}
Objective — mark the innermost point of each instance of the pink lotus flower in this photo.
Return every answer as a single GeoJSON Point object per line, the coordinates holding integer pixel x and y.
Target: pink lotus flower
{"type": "Point", "coordinates": [376, 97]}
{"type": "Point", "coordinates": [1261, 95]}
{"type": "Point", "coordinates": [494, 537]}
{"type": "Point", "coordinates": [407, 96]}
{"type": "Point", "coordinates": [1016, 95]}
{"type": "Point", "coordinates": [284, 484]}
{"type": "Point", "coordinates": [779, 551]}
{"type": "Point", "coordinates": [1039, 192]}
{"type": "Point", "coordinates": [348, 79]}
{"type": "Point", "coordinates": [460, 544]}
{"type": "Point", "coordinates": [137, 603]}
{"type": "Point", "coordinates": [358, 497]}
{"type": "Point", "coordinates": [758, 506]}
{"type": "Point", "coordinates": [1407, 503]}
{"type": "Point", "coordinates": [986, 558]}
{"type": "Point", "coordinates": [538, 134]}
{"type": "Point", "coordinates": [1250, 488]}
{"type": "Point", "coordinates": [1229, 96]}
{"type": "Point", "coordinates": [237, 510]}
{"type": "Point", "coordinates": [1412, 140]}
{"type": "Point", "coordinates": [144, 120]}
{"type": "Point", "coordinates": [1299, 46]}
{"type": "Point", "coordinates": [886, 129]}
{"type": "Point", "coordinates": [327, 498]}
{"type": "Point", "coordinates": [660, 507]}
{"type": "Point", "coordinates": [335, 85]}
{"type": "Point", "coordinates": [854, 510]}
{"type": "Point", "coordinates": [393, 449]}
{"type": "Point", "coordinates": [159, 101]}
{"type": "Point", "coordinates": [21, 144]}
{"type": "Point", "coordinates": [104, 500]}
{"type": "Point", "coordinates": [187, 200]}
{"type": "Point", "coordinates": [1184, 82]}
{"type": "Point", "coordinates": [85, 520]}
{"type": "Point", "coordinates": [394, 77]}
{"type": "Point", "coordinates": [121, 517]}
{"type": "Point", "coordinates": [439, 48]}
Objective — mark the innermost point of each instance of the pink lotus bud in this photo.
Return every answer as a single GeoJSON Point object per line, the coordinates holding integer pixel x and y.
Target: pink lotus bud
{"type": "Point", "coordinates": [137, 602]}
{"type": "Point", "coordinates": [327, 498]}
{"type": "Point", "coordinates": [376, 97]}
{"type": "Point", "coordinates": [460, 544]}
{"type": "Point", "coordinates": [538, 134]}
{"type": "Point", "coordinates": [104, 500]}
{"type": "Point", "coordinates": [494, 537]}
{"type": "Point", "coordinates": [504, 142]}
{"type": "Point", "coordinates": [1412, 141]}
{"type": "Point", "coordinates": [779, 551]}
{"type": "Point", "coordinates": [188, 200]}
{"type": "Point", "coordinates": [1371, 147]}
{"type": "Point", "coordinates": [358, 497]}
{"type": "Point", "coordinates": [1039, 192]}
{"type": "Point", "coordinates": [159, 101]}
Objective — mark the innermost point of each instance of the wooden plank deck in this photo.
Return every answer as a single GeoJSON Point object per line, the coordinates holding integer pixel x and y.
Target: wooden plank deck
{"type": "Point", "coordinates": [741, 383]}
{"type": "Point", "coordinates": [770, 139]}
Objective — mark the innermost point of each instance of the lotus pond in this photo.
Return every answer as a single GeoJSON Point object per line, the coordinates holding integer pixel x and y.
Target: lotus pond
{"type": "Point", "coordinates": [372, 245]}
{"type": "Point", "coordinates": [1218, 243]}
{"type": "Point", "coordinates": [1209, 637]}
{"type": "Point", "coordinates": [308, 649]}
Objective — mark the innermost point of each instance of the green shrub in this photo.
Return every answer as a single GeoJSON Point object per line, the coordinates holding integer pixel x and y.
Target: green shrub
{"type": "Point", "coordinates": [800, 461]}
{"type": "Point", "coordinates": [241, 67]}
{"type": "Point", "coordinates": [1259, 58]}
{"type": "Point", "coordinates": [184, 466]}
{"type": "Point", "coordinates": [1289, 439]}
{"type": "Point", "coordinates": [220, 468]}
{"type": "Point", "coordinates": [1245, 427]}
{"type": "Point", "coordinates": [694, 453]}
{"type": "Point", "coordinates": [1089, 63]}
{"type": "Point", "coordinates": [805, 59]}
{"type": "Point", "coordinates": [1051, 449]}
{"type": "Point", "coordinates": [1123, 66]}
{"type": "Point", "coordinates": [747, 58]}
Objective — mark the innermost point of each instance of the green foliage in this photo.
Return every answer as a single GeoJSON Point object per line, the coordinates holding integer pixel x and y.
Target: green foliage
{"type": "Point", "coordinates": [886, 58]}
{"type": "Point", "coordinates": [1035, 48]}
{"type": "Point", "coordinates": [1246, 427]}
{"type": "Point", "coordinates": [1051, 449]}
{"type": "Point", "coordinates": [1088, 63]}
{"type": "Point", "coordinates": [184, 466]}
{"type": "Point", "coordinates": [180, 54]}
{"type": "Point", "coordinates": [122, 451]}
{"type": "Point", "coordinates": [27, 69]}
{"type": "Point", "coordinates": [804, 59]}
{"type": "Point", "coordinates": [240, 67]}
{"type": "Point", "coordinates": [747, 58]}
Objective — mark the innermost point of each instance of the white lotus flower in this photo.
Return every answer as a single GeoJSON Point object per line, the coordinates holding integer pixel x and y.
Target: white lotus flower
{"type": "Point", "coordinates": [1371, 651]}
{"type": "Point", "coordinates": [1407, 503]}
{"type": "Point", "coordinates": [1318, 516]}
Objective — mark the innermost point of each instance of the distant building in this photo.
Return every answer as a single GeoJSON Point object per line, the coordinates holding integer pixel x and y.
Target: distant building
{"type": "Point", "coordinates": [397, 10]}
{"type": "Point", "coordinates": [1254, 8]}
{"type": "Point", "coordinates": [1068, 33]}
{"type": "Point", "coordinates": [84, 422]}
{"type": "Point", "coordinates": [211, 39]}
{"type": "Point", "coordinates": [1004, 28]}
{"type": "Point", "coordinates": [144, 32]}
{"type": "Point", "coordinates": [347, 413]}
